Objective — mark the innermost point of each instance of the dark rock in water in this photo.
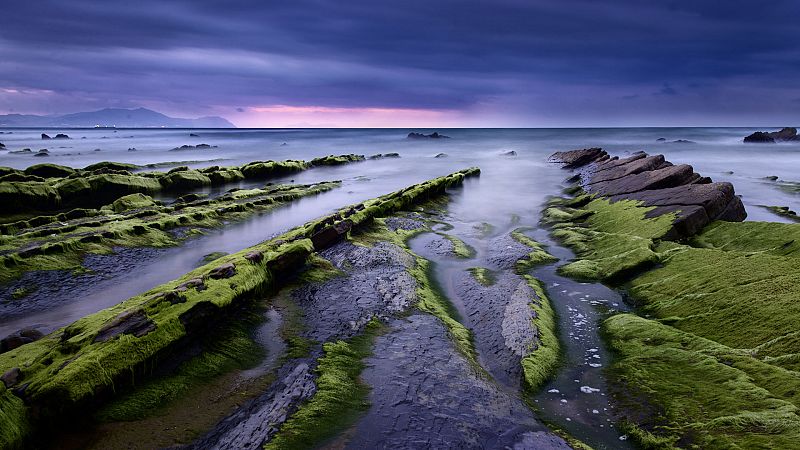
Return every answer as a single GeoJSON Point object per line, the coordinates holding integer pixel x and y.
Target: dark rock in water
{"type": "Point", "coordinates": [11, 377]}
{"type": "Point", "coordinates": [132, 149]}
{"type": "Point", "coordinates": [193, 135]}
{"type": "Point", "coordinates": [785, 134]}
{"type": "Point", "coordinates": [578, 158]}
{"type": "Point", "coordinates": [284, 144]}
{"type": "Point", "coordinates": [49, 171]}
{"type": "Point", "coordinates": [2, 146]}
{"type": "Point", "coordinates": [771, 178]}
{"type": "Point", "coordinates": [135, 323]}
{"type": "Point", "coordinates": [193, 147]}
{"type": "Point", "coordinates": [509, 153]}
{"type": "Point", "coordinates": [441, 155]}
{"type": "Point", "coordinates": [61, 136]}
{"type": "Point", "coordinates": [42, 152]}
{"type": "Point", "coordinates": [384, 155]}
{"type": "Point", "coordinates": [97, 150]}
{"type": "Point", "coordinates": [661, 139]}
{"type": "Point", "coordinates": [434, 135]}
{"type": "Point", "coordinates": [223, 271]}
{"type": "Point", "coordinates": [24, 150]}
{"type": "Point", "coordinates": [683, 141]}
{"type": "Point", "coordinates": [45, 136]}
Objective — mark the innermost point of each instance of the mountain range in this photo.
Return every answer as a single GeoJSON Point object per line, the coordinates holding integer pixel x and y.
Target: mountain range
{"type": "Point", "coordinates": [113, 117]}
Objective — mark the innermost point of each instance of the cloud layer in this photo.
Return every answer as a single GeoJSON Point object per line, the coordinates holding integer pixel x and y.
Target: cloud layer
{"type": "Point", "coordinates": [443, 63]}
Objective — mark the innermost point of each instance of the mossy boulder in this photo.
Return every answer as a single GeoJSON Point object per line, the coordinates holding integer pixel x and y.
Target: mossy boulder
{"type": "Point", "coordinates": [49, 171]}
{"type": "Point", "coordinates": [185, 180]}
{"type": "Point", "coordinates": [332, 160]}
{"type": "Point", "coordinates": [225, 176]}
{"type": "Point", "coordinates": [16, 196]}
{"type": "Point", "coordinates": [112, 165]}
{"type": "Point", "coordinates": [8, 170]}
{"type": "Point", "coordinates": [132, 201]}
{"type": "Point", "coordinates": [266, 169]}
{"type": "Point", "coordinates": [96, 190]}
{"type": "Point", "coordinates": [19, 176]}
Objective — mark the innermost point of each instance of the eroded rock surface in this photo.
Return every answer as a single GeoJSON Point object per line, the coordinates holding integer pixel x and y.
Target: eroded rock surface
{"type": "Point", "coordinates": [426, 395]}
{"type": "Point", "coordinates": [695, 200]}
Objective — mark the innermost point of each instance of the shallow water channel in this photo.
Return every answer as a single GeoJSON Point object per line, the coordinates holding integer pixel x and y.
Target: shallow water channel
{"type": "Point", "coordinates": [575, 400]}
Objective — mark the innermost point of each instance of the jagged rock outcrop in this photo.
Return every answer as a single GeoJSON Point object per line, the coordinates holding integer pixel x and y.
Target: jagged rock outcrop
{"type": "Point", "coordinates": [694, 199]}
{"type": "Point", "coordinates": [785, 134]}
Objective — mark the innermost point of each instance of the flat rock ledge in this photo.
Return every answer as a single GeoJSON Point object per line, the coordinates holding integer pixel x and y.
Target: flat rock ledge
{"type": "Point", "coordinates": [696, 200]}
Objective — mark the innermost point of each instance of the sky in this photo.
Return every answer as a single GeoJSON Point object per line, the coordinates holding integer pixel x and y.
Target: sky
{"type": "Point", "coordinates": [412, 63]}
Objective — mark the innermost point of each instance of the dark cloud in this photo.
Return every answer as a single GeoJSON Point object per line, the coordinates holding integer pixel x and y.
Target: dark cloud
{"type": "Point", "coordinates": [526, 58]}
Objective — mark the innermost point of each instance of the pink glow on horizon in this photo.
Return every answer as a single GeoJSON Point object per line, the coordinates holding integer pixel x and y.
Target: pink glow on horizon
{"type": "Point", "coordinates": [314, 116]}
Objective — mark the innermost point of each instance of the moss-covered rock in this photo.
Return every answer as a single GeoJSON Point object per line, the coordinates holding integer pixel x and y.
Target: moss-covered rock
{"type": "Point", "coordinates": [16, 196]}
{"type": "Point", "coordinates": [112, 165]}
{"type": "Point", "coordinates": [49, 171]}
{"type": "Point", "coordinates": [332, 160]}
{"type": "Point", "coordinates": [184, 180]}
{"type": "Point", "coordinates": [132, 201]}
{"type": "Point", "coordinates": [267, 169]}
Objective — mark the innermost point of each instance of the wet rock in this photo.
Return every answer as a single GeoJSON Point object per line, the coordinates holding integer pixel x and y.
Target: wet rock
{"type": "Point", "coordinates": [61, 136]}
{"type": "Point", "coordinates": [135, 323]}
{"type": "Point", "coordinates": [577, 158]}
{"type": "Point", "coordinates": [331, 234]}
{"type": "Point", "coordinates": [45, 136]}
{"type": "Point", "coordinates": [395, 223]}
{"type": "Point", "coordinates": [224, 271]}
{"type": "Point", "coordinates": [682, 141]}
{"type": "Point", "coordinates": [424, 394]}
{"type": "Point", "coordinates": [441, 155]}
{"type": "Point", "coordinates": [193, 283]}
{"type": "Point", "coordinates": [509, 153]}
{"type": "Point", "coordinates": [41, 153]}
{"type": "Point", "coordinates": [384, 155]}
{"type": "Point", "coordinates": [434, 135]}
{"type": "Point", "coordinates": [785, 134]}
{"type": "Point", "coordinates": [666, 177]}
{"type": "Point", "coordinates": [504, 251]}
{"type": "Point", "coordinates": [661, 139]}
{"type": "Point", "coordinates": [193, 135]}
{"type": "Point", "coordinates": [11, 377]}
{"type": "Point", "coordinates": [19, 338]}
{"type": "Point", "coordinates": [254, 256]}
{"type": "Point", "coordinates": [258, 420]}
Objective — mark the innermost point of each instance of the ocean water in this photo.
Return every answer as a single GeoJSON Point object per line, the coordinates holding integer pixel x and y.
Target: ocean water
{"type": "Point", "coordinates": [507, 183]}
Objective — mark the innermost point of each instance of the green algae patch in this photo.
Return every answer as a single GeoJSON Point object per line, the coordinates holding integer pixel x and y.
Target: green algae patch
{"type": "Point", "coordinates": [340, 397]}
{"type": "Point", "coordinates": [132, 201]}
{"type": "Point", "coordinates": [14, 419]}
{"type": "Point", "coordinates": [611, 240]}
{"type": "Point", "coordinates": [676, 389]}
{"type": "Point", "coordinates": [232, 348]}
{"type": "Point", "coordinates": [132, 221]}
{"type": "Point", "coordinates": [540, 365]}
{"type": "Point", "coordinates": [483, 276]}
{"type": "Point", "coordinates": [333, 160]}
{"type": "Point", "coordinates": [536, 257]}
{"type": "Point", "coordinates": [783, 211]}
{"type": "Point", "coordinates": [460, 248]}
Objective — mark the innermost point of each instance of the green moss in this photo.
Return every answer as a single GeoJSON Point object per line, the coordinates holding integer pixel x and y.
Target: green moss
{"type": "Point", "coordinates": [16, 196]}
{"type": "Point", "coordinates": [111, 165]}
{"type": "Point", "coordinates": [678, 389]}
{"type": "Point", "coordinates": [485, 229]}
{"type": "Point", "coordinates": [540, 365]}
{"type": "Point", "coordinates": [132, 201]}
{"type": "Point", "coordinates": [483, 275]}
{"type": "Point", "coordinates": [185, 180]}
{"type": "Point", "coordinates": [266, 169]}
{"type": "Point", "coordinates": [783, 211]}
{"type": "Point", "coordinates": [536, 257]}
{"type": "Point", "coordinates": [332, 160]}
{"type": "Point", "coordinates": [49, 171]}
{"type": "Point", "coordinates": [229, 347]}
{"type": "Point", "coordinates": [612, 240]}
{"type": "Point", "coordinates": [213, 256]}
{"type": "Point", "coordinates": [22, 292]}
{"type": "Point", "coordinates": [14, 419]}
{"type": "Point", "coordinates": [460, 248]}
{"type": "Point", "coordinates": [340, 397]}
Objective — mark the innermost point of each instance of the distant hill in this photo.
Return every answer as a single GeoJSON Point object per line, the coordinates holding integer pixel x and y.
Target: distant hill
{"type": "Point", "coordinates": [113, 117]}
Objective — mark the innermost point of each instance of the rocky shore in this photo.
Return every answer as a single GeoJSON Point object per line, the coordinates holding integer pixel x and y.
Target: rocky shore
{"type": "Point", "coordinates": [713, 297]}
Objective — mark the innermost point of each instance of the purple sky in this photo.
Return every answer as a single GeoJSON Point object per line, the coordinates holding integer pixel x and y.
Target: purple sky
{"type": "Point", "coordinates": [526, 63]}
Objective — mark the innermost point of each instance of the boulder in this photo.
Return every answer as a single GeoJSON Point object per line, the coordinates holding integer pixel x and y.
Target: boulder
{"type": "Point", "coordinates": [49, 171]}
{"type": "Point", "coordinates": [509, 153]}
{"type": "Point", "coordinates": [441, 155]}
{"type": "Point", "coordinates": [61, 136]}
{"type": "Point", "coordinates": [45, 136]}
{"type": "Point", "coordinates": [135, 323]}
{"type": "Point", "coordinates": [11, 377]}
{"type": "Point", "coordinates": [19, 338]}
{"type": "Point", "coordinates": [224, 271]}
{"type": "Point", "coordinates": [578, 158]}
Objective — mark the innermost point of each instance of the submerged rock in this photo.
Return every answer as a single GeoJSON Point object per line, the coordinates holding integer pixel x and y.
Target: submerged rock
{"type": "Point", "coordinates": [441, 155]}
{"type": "Point", "coordinates": [434, 135]}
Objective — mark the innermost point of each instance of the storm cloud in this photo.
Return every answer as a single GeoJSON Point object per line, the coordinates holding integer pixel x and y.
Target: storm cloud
{"type": "Point", "coordinates": [499, 63]}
